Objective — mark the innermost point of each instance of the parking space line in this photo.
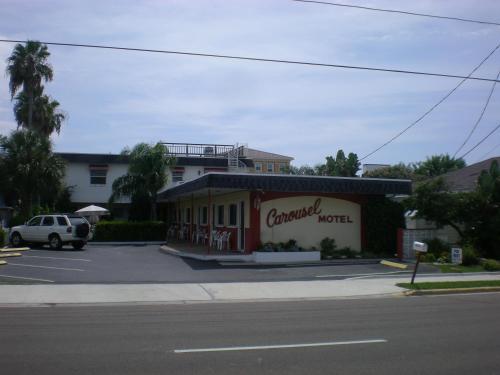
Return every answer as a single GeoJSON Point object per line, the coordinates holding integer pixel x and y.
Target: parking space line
{"type": "Point", "coordinates": [26, 278]}
{"type": "Point", "coordinates": [45, 257]}
{"type": "Point", "coordinates": [48, 267]}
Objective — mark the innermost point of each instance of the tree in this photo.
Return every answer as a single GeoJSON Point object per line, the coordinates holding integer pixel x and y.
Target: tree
{"type": "Point", "coordinates": [27, 67]}
{"type": "Point", "coordinates": [147, 173]}
{"type": "Point", "coordinates": [30, 169]}
{"type": "Point", "coordinates": [46, 117]}
{"type": "Point", "coordinates": [437, 165]}
{"type": "Point", "coordinates": [342, 166]}
{"type": "Point", "coordinates": [303, 170]}
{"type": "Point", "coordinates": [397, 171]}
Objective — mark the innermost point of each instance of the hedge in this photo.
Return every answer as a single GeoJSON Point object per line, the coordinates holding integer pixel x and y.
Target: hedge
{"type": "Point", "coordinates": [130, 231]}
{"type": "Point", "coordinates": [3, 237]}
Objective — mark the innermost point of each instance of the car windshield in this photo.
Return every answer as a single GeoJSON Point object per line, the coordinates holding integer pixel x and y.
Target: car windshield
{"type": "Point", "coordinates": [77, 220]}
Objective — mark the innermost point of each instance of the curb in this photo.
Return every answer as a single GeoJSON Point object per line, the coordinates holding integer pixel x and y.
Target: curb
{"type": "Point", "coordinates": [431, 292]}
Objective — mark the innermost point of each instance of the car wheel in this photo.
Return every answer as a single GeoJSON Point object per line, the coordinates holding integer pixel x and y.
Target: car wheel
{"type": "Point", "coordinates": [55, 242]}
{"type": "Point", "coordinates": [16, 239]}
{"type": "Point", "coordinates": [77, 245]}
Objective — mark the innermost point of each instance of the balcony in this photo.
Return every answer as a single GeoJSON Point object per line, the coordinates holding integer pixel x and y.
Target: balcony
{"type": "Point", "coordinates": [204, 150]}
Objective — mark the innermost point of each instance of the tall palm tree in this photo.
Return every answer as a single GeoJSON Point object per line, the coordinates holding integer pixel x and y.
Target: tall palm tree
{"type": "Point", "coordinates": [47, 117]}
{"type": "Point", "coordinates": [27, 67]}
{"type": "Point", "coordinates": [147, 173]}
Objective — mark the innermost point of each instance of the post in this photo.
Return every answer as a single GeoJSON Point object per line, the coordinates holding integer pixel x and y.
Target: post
{"type": "Point", "coordinates": [191, 219]}
{"type": "Point", "coordinates": [416, 267]}
{"type": "Point", "coordinates": [208, 220]}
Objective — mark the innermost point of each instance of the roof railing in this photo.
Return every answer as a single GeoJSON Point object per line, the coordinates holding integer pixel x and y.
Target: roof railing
{"type": "Point", "coordinates": [206, 150]}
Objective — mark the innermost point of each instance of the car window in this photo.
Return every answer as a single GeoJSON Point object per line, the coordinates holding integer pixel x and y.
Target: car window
{"type": "Point", "coordinates": [61, 220]}
{"type": "Point", "coordinates": [77, 220]}
{"type": "Point", "coordinates": [48, 221]}
{"type": "Point", "coordinates": [35, 221]}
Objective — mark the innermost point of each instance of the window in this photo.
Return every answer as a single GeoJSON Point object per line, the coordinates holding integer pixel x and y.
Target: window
{"type": "Point", "coordinates": [258, 167]}
{"type": "Point", "coordinates": [61, 220]}
{"type": "Point", "coordinates": [188, 215]}
{"type": "Point", "coordinates": [283, 168]}
{"type": "Point", "coordinates": [98, 176]}
{"type": "Point", "coordinates": [75, 220]}
{"type": "Point", "coordinates": [233, 216]}
{"type": "Point", "coordinates": [35, 221]}
{"type": "Point", "coordinates": [270, 167]}
{"type": "Point", "coordinates": [177, 176]}
{"type": "Point", "coordinates": [204, 215]}
{"type": "Point", "coordinates": [220, 215]}
{"type": "Point", "coordinates": [48, 221]}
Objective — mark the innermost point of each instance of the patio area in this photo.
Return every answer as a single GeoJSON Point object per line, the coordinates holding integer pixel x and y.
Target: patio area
{"type": "Point", "coordinates": [187, 249]}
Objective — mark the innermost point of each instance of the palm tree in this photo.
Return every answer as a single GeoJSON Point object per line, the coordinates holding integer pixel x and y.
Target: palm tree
{"type": "Point", "coordinates": [29, 167]}
{"type": "Point", "coordinates": [147, 173]}
{"type": "Point", "coordinates": [27, 67]}
{"type": "Point", "coordinates": [46, 118]}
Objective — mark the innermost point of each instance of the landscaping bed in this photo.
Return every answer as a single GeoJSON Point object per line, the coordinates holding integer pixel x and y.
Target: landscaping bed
{"type": "Point", "coordinates": [450, 284]}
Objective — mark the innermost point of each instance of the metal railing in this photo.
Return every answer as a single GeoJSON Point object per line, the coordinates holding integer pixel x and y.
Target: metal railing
{"type": "Point", "coordinates": [206, 150]}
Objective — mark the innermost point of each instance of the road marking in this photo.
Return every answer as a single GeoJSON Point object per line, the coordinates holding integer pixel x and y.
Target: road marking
{"type": "Point", "coordinates": [2, 262]}
{"type": "Point", "coordinates": [365, 274]}
{"type": "Point", "coordinates": [52, 268]}
{"type": "Point", "coordinates": [26, 278]}
{"type": "Point", "coordinates": [264, 347]}
{"type": "Point", "coordinates": [10, 255]}
{"type": "Point", "coordinates": [43, 257]}
{"type": "Point", "coordinates": [7, 249]}
{"type": "Point", "coordinates": [394, 264]}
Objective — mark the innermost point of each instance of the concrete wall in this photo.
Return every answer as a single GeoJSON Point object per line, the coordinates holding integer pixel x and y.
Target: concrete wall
{"type": "Point", "coordinates": [323, 217]}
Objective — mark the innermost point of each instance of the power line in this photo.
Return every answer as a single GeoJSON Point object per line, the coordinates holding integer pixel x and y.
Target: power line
{"type": "Point", "coordinates": [489, 152]}
{"type": "Point", "coordinates": [432, 108]}
{"type": "Point", "coordinates": [400, 12]}
{"type": "Point", "coordinates": [479, 118]}
{"type": "Point", "coordinates": [258, 59]}
{"type": "Point", "coordinates": [481, 141]}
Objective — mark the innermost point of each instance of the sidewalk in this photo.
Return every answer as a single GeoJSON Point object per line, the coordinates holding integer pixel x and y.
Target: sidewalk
{"type": "Point", "coordinates": [211, 292]}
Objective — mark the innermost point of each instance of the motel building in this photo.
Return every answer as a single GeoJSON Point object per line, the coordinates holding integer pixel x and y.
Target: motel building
{"type": "Point", "coordinates": [253, 209]}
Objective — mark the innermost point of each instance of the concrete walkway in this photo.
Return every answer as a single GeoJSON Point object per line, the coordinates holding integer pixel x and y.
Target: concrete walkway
{"type": "Point", "coordinates": [211, 292]}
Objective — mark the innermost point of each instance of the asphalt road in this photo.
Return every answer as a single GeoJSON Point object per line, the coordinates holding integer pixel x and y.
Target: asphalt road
{"type": "Point", "coordinates": [146, 264]}
{"type": "Point", "coordinates": [456, 334]}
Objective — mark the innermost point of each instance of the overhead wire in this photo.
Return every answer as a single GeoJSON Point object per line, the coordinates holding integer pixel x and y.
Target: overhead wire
{"type": "Point", "coordinates": [479, 118]}
{"type": "Point", "coordinates": [408, 13]}
{"type": "Point", "coordinates": [481, 141]}
{"type": "Point", "coordinates": [258, 59]}
{"type": "Point", "coordinates": [399, 134]}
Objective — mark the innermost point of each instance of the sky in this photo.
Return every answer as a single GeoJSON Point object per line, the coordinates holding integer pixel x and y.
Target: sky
{"type": "Point", "coordinates": [115, 99]}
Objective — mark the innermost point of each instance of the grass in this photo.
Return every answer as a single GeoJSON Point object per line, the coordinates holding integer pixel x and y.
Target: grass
{"type": "Point", "coordinates": [450, 284]}
{"type": "Point", "coordinates": [457, 268]}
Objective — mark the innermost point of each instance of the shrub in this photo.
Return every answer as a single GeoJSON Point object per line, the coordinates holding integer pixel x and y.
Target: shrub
{"type": "Point", "coordinates": [444, 257]}
{"type": "Point", "coordinates": [429, 258]}
{"type": "Point", "coordinates": [130, 231]}
{"type": "Point", "coordinates": [345, 252]}
{"type": "Point", "coordinates": [469, 256]}
{"type": "Point", "coordinates": [328, 247]}
{"type": "Point", "coordinates": [2, 237]}
{"type": "Point", "coordinates": [491, 265]}
{"type": "Point", "coordinates": [437, 247]}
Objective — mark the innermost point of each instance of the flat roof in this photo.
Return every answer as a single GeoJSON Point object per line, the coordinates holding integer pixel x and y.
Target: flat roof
{"type": "Point", "coordinates": [289, 184]}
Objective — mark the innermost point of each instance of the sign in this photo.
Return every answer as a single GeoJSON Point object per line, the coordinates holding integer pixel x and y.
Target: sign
{"type": "Point", "coordinates": [421, 247]}
{"type": "Point", "coordinates": [456, 255]}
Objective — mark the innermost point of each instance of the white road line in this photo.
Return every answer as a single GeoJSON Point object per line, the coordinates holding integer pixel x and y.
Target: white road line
{"type": "Point", "coordinates": [43, 257]}
{"type": "Point", "coordinates": [365, 274]}
{"type": "Point", "coordinates": [236, 348]}
{"type": "Point", "coordinates": [52, 268]}
{"type": "Point", "coordinates": [26, 278]}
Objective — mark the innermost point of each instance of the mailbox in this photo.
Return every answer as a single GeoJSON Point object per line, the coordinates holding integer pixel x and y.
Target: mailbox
{"type": "Point", "coordinates": [420, 247]}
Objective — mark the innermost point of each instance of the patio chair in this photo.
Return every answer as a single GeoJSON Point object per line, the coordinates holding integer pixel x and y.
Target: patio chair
{"type": "Point", "coordinates": [221, 240]}
{"type": "Point", "coordinates": [214, 239]}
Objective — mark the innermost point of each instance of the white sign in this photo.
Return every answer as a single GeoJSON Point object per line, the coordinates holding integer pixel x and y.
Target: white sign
{"type": "Point", "coordinates": [456, 255]}
{"type": "Point", "coordinates": [420, 247]}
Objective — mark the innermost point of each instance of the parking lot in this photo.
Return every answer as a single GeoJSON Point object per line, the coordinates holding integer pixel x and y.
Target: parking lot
{"type": "Point", "coordinates": [147, 264]}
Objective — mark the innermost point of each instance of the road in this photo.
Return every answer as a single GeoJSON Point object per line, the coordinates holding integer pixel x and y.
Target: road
{"type": "Point", "coordinates": [456, 334]}
{"type": "Point", "coordinates": [146, 264]}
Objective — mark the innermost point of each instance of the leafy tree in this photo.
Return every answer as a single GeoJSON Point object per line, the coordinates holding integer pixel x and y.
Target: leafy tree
{"type": "Point", "coordinates": [46, 118]}
{"type": "Point", "coordinates": [342, 166]}
{"type": "Point", "coordinates": [147, 173]}
{"type": "Point", "coordinates": [303, 170]}
{"type": "Point", "coordinates": [27, 67]}
{"type": "Point", "coordinates": [397, 171]}
{"type": "Point", "coordinates": [30, 170]}
{"type": "Point", "coordinates": [437, 165]}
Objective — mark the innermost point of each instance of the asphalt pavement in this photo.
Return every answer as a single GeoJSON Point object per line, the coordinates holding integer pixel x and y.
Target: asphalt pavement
{"type": "Point", "coordinates": [146, 264]}
{"type": "Point", "coordinates": [455, 334]}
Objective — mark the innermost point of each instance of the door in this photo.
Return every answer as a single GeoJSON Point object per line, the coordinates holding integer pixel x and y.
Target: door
{"type": "Point", "coordinates": [32, 229]}
{"type": "Point", "coordinates": [241, 227]}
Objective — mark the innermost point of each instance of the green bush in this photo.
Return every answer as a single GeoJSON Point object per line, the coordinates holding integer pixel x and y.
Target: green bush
{"type": "Point", "coordinates": [444, 257]}
{"type": "Point", "coordinates": [469, 256]}
{"type": "Point", "coordinates": [437, 247]}
{"type": "Point", "coordinates": [491, 265]}
{"type": "Point", "coordinates": [130, 231]}
{"type": "Point", "coordinates": [328, 247]}
{"type": "Point", "coordinates": [3, 236]}
{"type": "Point", "coordinates": [429, 258]}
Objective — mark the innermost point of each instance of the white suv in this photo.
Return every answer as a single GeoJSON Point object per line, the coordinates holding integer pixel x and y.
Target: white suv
{"type": "Point", "coordinates": [56, 230]}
